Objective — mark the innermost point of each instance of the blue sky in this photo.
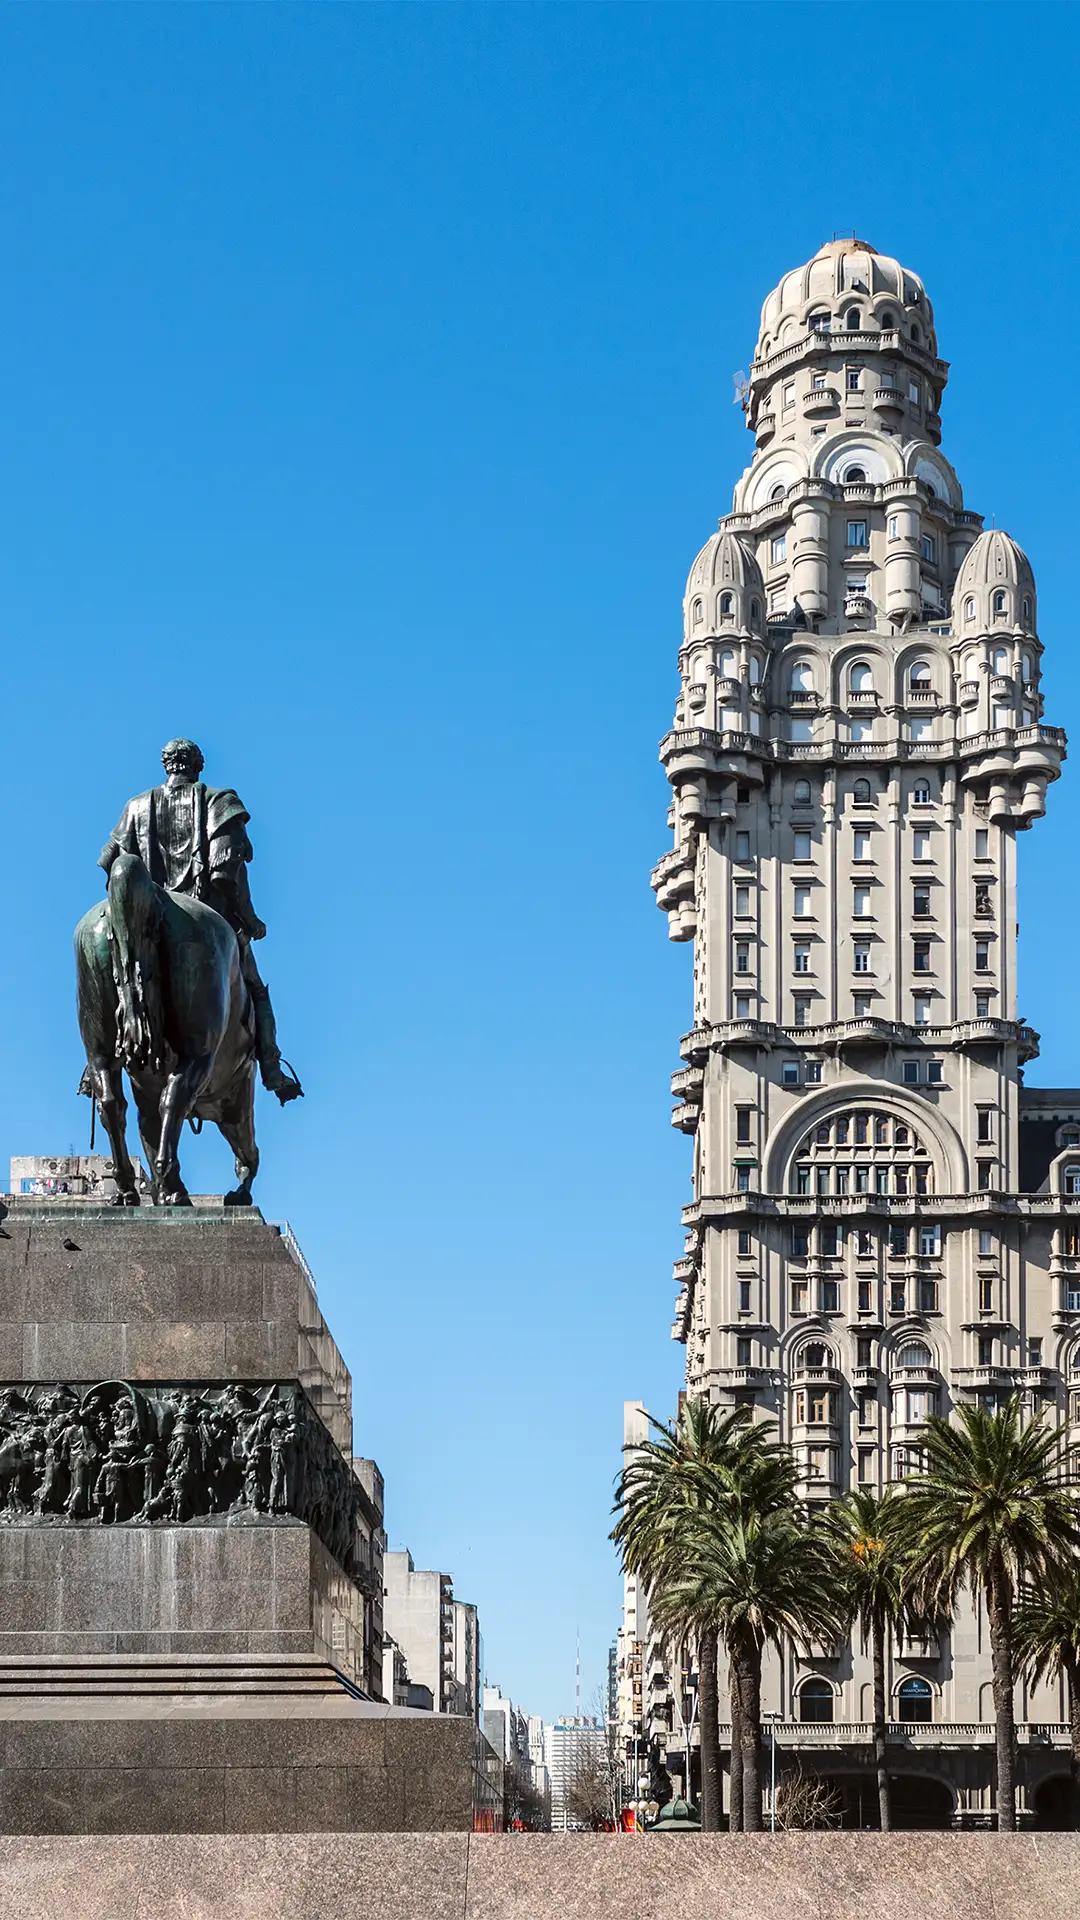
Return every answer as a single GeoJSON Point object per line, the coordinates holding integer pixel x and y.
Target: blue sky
{"type": "Point", "coordinates": [367, 391]}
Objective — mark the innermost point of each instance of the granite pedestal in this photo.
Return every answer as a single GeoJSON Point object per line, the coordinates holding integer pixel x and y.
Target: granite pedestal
{"type": "Point", "coordinates": [187, 1590]}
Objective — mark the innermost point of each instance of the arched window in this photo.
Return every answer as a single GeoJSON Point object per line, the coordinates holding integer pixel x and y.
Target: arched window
{"type": "Point", "coordinates": [854, 320]}
{"type": "Point", "coordinates": [816, 1702]}
{"type": "Point", "coordinates": [699, 612]}
{"type": "Point", "coordinates": [861, 679]}
{"type": "Point", "coordinates": [999, 603]}
{"type": "Point", "coordinates": [915, 1353]}
{"type": "Point", "coordinates": [778, 491]}
{"type": "Point", "coordinates": [755, 613]}
{"type": "Point", "coordinates": [855, 476]}
{"type": "Point", "coordinates": [920, 793]}
{"type": "Point", "coordinates": [802, 677]}
{"type": "Point", "coordinates": [888, 321]}
{"type": "Point", "coordinates": [699, 669]}
{"type": "Point", "coordinates": [725, 666]}
{"type": "Point", "coordinates": [801, 795]}
{"type": "Point", "coordinates": [727, 602]}
{"type": "Point", "coordinates": [1027, 613]}
{"type": "Point", "coordinates": [1070, 1180]}
{"type": "Point", "coordinates": [1000, 660]}
{"type": "Point", "coordinates": [919, 676]}
{"type": "Point", "coordinates": [1025, 666]}
{"type": "Point", "coordinates": [862, 1150]}
{"type": "Point", "coordinates": [969, 607]}
{"type": "Point", "coordinates": [820, 323]}
{"type": "Point", "coordinates": [862, 794]}
{"type": "Point", "coordinates": [915, 1700]}
{"type": "Point", "coordinates": [754, 669]}
{"type": "Point", "coordinates": [915, 335]}
{"type": "Point", "coordinates": [815, 1356]}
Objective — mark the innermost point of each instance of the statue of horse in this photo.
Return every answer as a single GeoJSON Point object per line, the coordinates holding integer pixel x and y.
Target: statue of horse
{"type": "Point", "coordinates": [162, 995]}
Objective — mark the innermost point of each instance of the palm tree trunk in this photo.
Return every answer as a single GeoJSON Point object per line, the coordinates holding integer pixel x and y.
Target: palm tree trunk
{"type": "Point", "coordinates": [999, 1611]}
{"type": "Point", "coordinates": [735, 1800]}
{"type": "Point", "coordinates": [748, 1658]}
{"type": "Point", "coordinates": [880, 1763]}
{"type": "Point", "coordinates": [709, 1731]}
{"type": "Point", "coordinates": [1072, 1672]}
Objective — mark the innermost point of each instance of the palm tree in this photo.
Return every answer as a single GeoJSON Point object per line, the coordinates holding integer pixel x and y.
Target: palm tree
{"type": "Point", "coordinates": [1046, 1643]}
{"type": "Point", "coordinates": [989, 1508]}
{"type": "Point", "coordinates": [869, 1573]}
{"type": "Point", "coordinates": [716, 1463]}
{"type": "Point", "coordinates": [762, 1576]}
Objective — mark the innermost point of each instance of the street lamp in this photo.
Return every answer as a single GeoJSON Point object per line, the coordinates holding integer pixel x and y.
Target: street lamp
{"type": "Point", "coordinates": [772, 1719]}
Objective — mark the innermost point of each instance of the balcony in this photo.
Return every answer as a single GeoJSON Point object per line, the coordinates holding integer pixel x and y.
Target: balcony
{"type": "Point", "coordinates": [817, 1376]}
{"type": "Point", "coordinates": [921, 697]}
{"type": "Point", "coordinates": [865, 1376]}
{"type": "Point", "coordinates": [687, 1081]}
{"type": "Point", "coordinates": [866, 698]}
{"type": "Point", "coordinates": [821, 400]}
{"type": "Point", "coordinates": [858, 606]}
{"type": "Point", "coordinates": [686, 1117]}
{"type": "Point", "coordinates": [914, 1377]}
{"type": "Point", "coordinates": [969, 693]}
{"type": "Point", "coordinates": [765, 427]}
{"type": "Point", "coordinates": [888, 400]}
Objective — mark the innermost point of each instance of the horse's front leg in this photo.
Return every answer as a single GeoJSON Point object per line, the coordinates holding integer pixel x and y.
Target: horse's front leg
{"type": "Point", "coordinates": [237, 1123]}
{"type": "Point", "coordinates": [182, 1089]}
{"type": "Point", "coordinates": [107, 1089]}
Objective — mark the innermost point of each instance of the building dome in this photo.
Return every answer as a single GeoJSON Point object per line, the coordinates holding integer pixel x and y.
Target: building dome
{"type": "Point", "coordinates": [853, 288]}
{"type": "Point", "coordinates": [995, 587]}
{"type": "Point", "coordinates": [725, 591]}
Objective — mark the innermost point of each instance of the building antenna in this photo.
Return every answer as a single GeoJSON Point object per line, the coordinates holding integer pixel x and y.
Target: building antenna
{"type": "Point", "coordinates": [577, 1675]}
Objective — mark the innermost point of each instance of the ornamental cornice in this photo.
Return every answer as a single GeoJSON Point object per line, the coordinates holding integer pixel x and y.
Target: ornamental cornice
{"type": "Point", "coordinates": [834, 1035]}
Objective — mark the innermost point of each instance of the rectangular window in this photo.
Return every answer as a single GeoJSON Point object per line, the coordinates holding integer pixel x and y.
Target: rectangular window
{"type": "Point", "coordinates": [922, 1179]}
{"type": "Point", "coordinates": [920, 902]}
{"type": "Point", "coordinates": [789, 393]}
{"type": "Point", "coordinates": [802, 1010]}
{"type": "Point", "coordinates": [986, 1240]}
{"type": "Point", "coordinates": [743, 1007]}
{"type": "Point", "coordinates": [856, 533]}
{"type": "Point", "coordinates": [798, 1296]}
{"type": "Point", "coordinates": [778, 548]}
{"type": "Point", "coordinates": [1034, 1353]}
{"type": "Point", "coordinates": [865, 1302]}
{"type": "Point", "coordinates": [800, 1242]}
{"type": "Point", "coordinates": [920, 844]}
{"type": "Point", "coordinates": [935, 1073]}
{"type": "Point", "coordinates": [742, 796]}
{"type": "Point", "coordinates": [802, 844]}
{"type": "Point", "coordinates": [802, 956]}
{"type": "Point", "coordinates": [812, 1073]}
{"type": "Point", "coordinates": [982, 843]}
{"type": "Point", "coordinates": [922, 1010]}
{"type": "Point", "coordinates": [928, 548]}
{"type": "Point", "coordinates": [742, 1179]}
{"type": "Point", "coordinates": [742, 1350]}
{"type": "Point", "coordinates": [930, 1242]}
{"type": "Point", "coordinates": [842, 1130]}
{"type": "Point", "coordinates": [801, 903]}
{"type": "Point", "coordinates": [830, 1240]}
{"type": "Point", "coordinates": [861, 958]}
{"type": "Point", "coordinates": [897, 1296]}
{"type": "Point", "coordinates": [744, 1296]}
{"type": "Point", "coordinates": [790, 1073]}
{"type": "Point", "coordinates": [742, 956]}
{"type": "Point", "coordinates": [830, 1296]}
{"type": "Point", "coordinates": [894, 526]}
{"type": "Point", "coordinates": [913, 393]}
{"type": "Point", "coordinates": [864, 1242]}
{"type": "Point", "coordinates": [986, 1350]}
{"type": "Point", "coordinates": [860, 905]}
{"type": "Point", "coordinates": [743, 1118]}
{"type": "Point", "coordinates": [982, 1006]}
{"type": "Point", "coordinates": [986, 1175]}
{"type": "Point", "coordinates": [862, 1179]}
{"type": "Point", "coordinates": [817, 380]}
{"type": "Point", "coordinates": [861, 843]}
{"type": "Point", "coordinates": [867, 1466]}
{"type": "Point", "coordinates": [864, 1352]}
{"type": "Point", "coordinates": [982, 956]}
{"type": "Point", "coordinates": [898, 1240]}
{"type": "Point", "coordinates": [984, 1123]}
{"type": "Point", "coordinates": [742, 903]}
{"type": "Point", "coordinates": [984, 904]}
{"type": "Point", "coordinates": [921, 957]}
{"type": "Point", "coordinates": [986, 1296]}
{"type": "Point", "coordinates": [860, 1006]}
{"type": "Point", "coordinates": [744, 1243]}
{"type": "Point", "coordinates": [862, 1129]}
{"type": "Point", "coordinates": [911, 1073]}
{"type": "Point", "coordinates": [928, 1296]}
{"type": "Point", "coordinates": [854, 377]}
{"type": "Point", "coordinates": [742, 846]}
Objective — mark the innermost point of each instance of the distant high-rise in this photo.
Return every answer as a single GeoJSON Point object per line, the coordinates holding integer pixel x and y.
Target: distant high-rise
{"type": "Point", "coordinates": [884, 1220]}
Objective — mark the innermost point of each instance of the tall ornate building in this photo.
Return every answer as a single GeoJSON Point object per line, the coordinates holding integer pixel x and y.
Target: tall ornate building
{"type": "Point", "coordinates": [881, 1223]}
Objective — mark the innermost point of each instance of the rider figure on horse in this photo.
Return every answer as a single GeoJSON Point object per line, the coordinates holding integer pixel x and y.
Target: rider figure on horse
{"type": "Point", "coordinates": [193, 840]}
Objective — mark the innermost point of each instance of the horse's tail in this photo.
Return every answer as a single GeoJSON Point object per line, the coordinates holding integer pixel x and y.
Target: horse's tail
{"type": "Point", "coordinates": [135, 927]}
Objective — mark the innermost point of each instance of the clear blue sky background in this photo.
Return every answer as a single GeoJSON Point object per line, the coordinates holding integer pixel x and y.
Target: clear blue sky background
{"type": "Point", "coordinates": [366, 394]}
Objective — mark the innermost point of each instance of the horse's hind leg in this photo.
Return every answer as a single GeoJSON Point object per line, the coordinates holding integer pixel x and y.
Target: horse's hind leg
{"type": "Point", "coordinates": [182, 1089]}
{"type": "Point", "coordinates": [237, 1124]}
{"type": "Point", "coordinates": [97, 1024]}
{"type": "Point", "coordinates": [107, 1088]}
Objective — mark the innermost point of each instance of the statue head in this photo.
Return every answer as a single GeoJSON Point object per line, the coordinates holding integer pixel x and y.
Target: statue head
{"type": "Point", "coordinates": [183, 757]}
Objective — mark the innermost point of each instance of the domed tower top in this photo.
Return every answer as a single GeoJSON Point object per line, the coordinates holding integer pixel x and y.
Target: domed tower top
{"type": "Point", "coordinates": [725, 592]}
{"type": "Point", "coordinates": [995, 588]}
{"type": "Point", "coordinates": [848, 287]}
{"type": "Point", "coordinates": [850, 320]}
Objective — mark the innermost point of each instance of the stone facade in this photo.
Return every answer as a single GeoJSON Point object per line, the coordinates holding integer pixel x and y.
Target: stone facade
{"type": "Point", "coordinates": [884, 1220]}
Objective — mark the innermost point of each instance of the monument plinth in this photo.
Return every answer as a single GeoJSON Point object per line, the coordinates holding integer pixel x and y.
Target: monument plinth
{"type": "Point", "coordinates": [190, 1562]}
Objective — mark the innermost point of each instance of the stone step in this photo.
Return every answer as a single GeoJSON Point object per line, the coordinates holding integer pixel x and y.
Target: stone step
{"type": "Point", "coordinates": [27, 1675]}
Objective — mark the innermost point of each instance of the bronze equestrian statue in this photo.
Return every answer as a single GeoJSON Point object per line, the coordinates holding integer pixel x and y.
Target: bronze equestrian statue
{"type": "Point", "coordinates": [168, 986]}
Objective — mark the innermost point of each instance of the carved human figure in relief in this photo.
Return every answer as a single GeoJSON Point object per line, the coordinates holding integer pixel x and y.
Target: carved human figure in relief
{"type": "Point", "coordinates": [193, 840]}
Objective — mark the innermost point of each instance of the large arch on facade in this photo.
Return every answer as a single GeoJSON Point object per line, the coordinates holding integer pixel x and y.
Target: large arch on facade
{"type": "Point", "coordinates": [926, 1121]}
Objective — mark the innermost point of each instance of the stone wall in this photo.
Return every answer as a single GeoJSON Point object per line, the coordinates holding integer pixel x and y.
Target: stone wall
{"type": "Point", "coordinates": [439, 1876]}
